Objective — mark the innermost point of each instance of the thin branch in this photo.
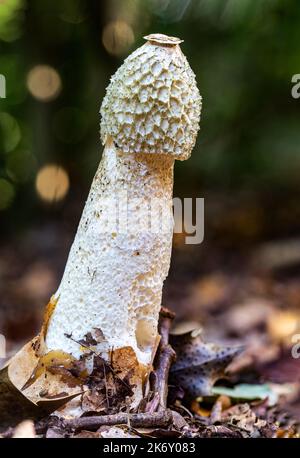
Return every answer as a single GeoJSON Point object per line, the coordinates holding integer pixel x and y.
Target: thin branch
{"type": "Point", "coordinates": [164, 359]}
{"type": "Point", "coordinates": [144, 420]}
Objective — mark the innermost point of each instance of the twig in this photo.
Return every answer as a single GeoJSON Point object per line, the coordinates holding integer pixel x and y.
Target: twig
{"type": "Point", "coordinates": [106, 392]}
{"type": "Point", "coordinates": [164, 359]}
{"type": "Point", "coordinates": [153, 404]}
{"type": "Point", "coordinates": [144, 420]}
{"type": "Point", "coordinates": [166, 318]}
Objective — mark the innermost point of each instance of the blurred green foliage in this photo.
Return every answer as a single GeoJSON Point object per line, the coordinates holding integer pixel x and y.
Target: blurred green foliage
{"type": "Point", "coordinates": [244, 54]}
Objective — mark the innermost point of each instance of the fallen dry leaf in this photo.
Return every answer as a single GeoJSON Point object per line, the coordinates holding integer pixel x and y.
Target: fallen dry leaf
{"type": "Point", "coordinates": [199, 365]}
{"type": "Point", "coordinates": [43, 396]}
{"type": "Point", "coordinates": [117, 432]}
{"type": "Point", "coordinates": [87, 435]}
{"type": "Point", "coordinates": [272, 392]}
{"type": "Point", "coordinates": [242, 417]}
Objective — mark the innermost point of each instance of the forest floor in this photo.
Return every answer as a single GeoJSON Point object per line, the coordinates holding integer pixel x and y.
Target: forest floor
{"type": "Point", "coordinates": [247, 297]}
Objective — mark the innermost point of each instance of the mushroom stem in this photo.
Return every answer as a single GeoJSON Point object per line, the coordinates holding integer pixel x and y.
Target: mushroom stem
{"type": "Point", "coordinates": [111, 290]}
{"type": "Point", "coordinates": [119, 259]}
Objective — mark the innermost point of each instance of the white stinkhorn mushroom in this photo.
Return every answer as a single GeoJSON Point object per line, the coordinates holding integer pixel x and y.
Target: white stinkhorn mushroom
{"type": "Point", "coordinates": [113, 278]}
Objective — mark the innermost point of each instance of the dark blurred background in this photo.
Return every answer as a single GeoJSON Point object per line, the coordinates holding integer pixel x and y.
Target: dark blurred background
{"type": "Point", "coordinates": [58, 56]}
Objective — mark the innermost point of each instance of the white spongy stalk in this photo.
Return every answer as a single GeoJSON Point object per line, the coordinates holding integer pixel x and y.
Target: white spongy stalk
{"type": "Point", "coordinates": [114, 276]}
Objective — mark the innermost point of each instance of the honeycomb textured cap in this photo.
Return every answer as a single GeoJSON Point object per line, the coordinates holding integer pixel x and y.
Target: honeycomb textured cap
{"type": "Point", "coordinates": [152, 104]}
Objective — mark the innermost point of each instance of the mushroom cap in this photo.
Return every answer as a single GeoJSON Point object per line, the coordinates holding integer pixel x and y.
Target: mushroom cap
{"type": "Point", "coordinates": [152, 104]}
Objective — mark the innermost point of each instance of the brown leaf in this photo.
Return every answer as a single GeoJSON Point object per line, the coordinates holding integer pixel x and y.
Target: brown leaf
{"type": "Point", "coordinates": [158, 432]}
{"type": "Point", "coordinates": [243, 417]}
{"type": "Point", "coordinates": [124, 360]}
{"type": "Point", "coordinates": [198, 364]}
{"type": "Point", "coordinates": [120, 432]}
{"type": "Point", "coordinates": [17, 404]}
{"type": "Point", "coordinates": [94, 401]}
{"type": "Point", "coordinates": [87, 435]}
{"type": "Point", "coordinates": [178, 421]}
{"type": "Point", "coordinates": [65, 375]}
{"type": "Point", "coordinates": [88, 340]}
{"type": "Point", "coordinates": [99, 336]}
{"type": "Point", "coordinates": [127, 368]}
{"type": "Point", "coordinates": [47, 317]}
{"type": "Point", "coordinates": [52, 359]}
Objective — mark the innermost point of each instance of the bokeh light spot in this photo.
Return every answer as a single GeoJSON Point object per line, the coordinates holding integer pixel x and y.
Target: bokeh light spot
{"type": "Point", "coordinates": [10, 133]}
{"type": "Point", "coordinates": [117, 37]}
{"type": "Point", "coordinates": [11, 17]}
{"type": "Point", "coordinates": [7, 194]}
{"type": "Point", "coordinates": [44, 83]}
{"type": "Point", "coordinates": [52, 183]}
